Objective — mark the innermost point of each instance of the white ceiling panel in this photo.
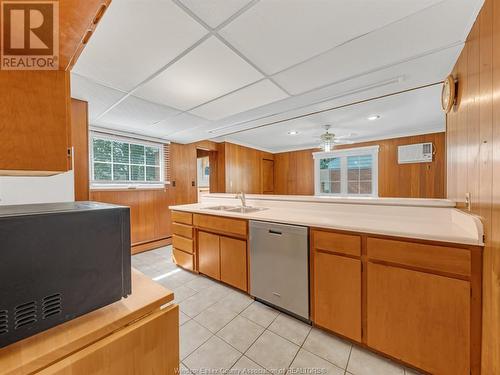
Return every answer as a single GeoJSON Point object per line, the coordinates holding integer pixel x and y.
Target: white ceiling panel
{"type": "Point", "coordinates": [137, 113]}
{"type": "Point", "coordinates": [205, 73]}
{"type": "Point", "coordinates": [256, 95]}
{"type": "Point", "coordinates": [414, 112]}
{"type": "Point", "coordinates": [276, 34]}
{"type": "Point", "coordinates": [421, 33]}
{"type": "Point", "coordinates": [180, 123]}
{"type": "Point", "coordinates": [214, 12]}
{"type": "Point", "coordinates": [415, 73]}
{"type": "Point", "coordinates": [135, 39]}
{"type": "Point", "coordinates": [99, 97]}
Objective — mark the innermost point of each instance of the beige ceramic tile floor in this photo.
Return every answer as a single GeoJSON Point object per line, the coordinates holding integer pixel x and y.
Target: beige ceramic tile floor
{"type": "Point", "coordinates": [222, 329]}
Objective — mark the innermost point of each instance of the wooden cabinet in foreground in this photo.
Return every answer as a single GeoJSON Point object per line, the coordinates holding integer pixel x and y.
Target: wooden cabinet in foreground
{"type": "Point", "coordinates": [137, 335]}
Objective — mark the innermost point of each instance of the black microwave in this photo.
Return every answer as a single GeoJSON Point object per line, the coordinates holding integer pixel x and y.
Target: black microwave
{"type": "Point", "coordinates": [60, 261]}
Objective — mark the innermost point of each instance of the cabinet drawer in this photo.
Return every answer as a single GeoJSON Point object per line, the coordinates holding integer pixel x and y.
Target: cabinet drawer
{"type": "Point", "coordinates": [182, 217]}
{"type": "Point", "coordinates": [182, 230]}
{"type": "Point", "coordinates": [221, 224]}
{"type": "Point", "coordinates": [337, 242]}
{"type": "Point", "coordinates": [183, 259]}
{"type": "Point", "coordinates": [430, 257]}
{"type": "Point", "coordinates": [182, 243]}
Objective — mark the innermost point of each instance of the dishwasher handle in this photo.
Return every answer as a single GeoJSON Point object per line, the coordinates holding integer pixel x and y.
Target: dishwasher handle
{"type": "Point", "coordinates": [272, 231]}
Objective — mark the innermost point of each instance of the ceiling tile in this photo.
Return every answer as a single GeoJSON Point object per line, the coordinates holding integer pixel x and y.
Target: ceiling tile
{"type": "Point", "coordinates": [180, 123]}
{"type": "Point", "coordinates": [214, 12]}
{"type": "Point", "coordinates": [137, 113]}
{"type": "Point", "coordinates": [205, 73]}
{"type": "Point", "coordinates": [418, 34]}
{"type": "Point", "coordinates": [99, 97]}
{"type": "Point", "coordinates": [135, 39]}
{"type": "Point", "coordinates": [414, 112]}
{"type": "Point", "coordinates": [253, 96]}
{"type": "Point", "coordinates": [280, 33]}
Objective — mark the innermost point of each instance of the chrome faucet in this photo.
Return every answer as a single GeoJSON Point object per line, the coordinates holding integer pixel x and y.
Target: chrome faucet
{"type": "Point", "coordinates": [241, 196]}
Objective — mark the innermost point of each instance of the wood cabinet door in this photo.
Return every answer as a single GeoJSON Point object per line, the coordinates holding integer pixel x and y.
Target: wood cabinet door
{"type": "Point", "coordinates": [148, 346]}
{"type": "Point", "coordinates": [34, 122]}
{"type": "Point", "coordinates": [233, 262]}
{"type": "Point", "coordinates": [419, 318]}
{"type": "Point", "coordinates": [209, 254]}
{"type": "Point", "coordinates": [337, 294]}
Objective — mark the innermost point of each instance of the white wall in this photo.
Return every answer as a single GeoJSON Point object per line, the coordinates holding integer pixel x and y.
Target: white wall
{"type": "Point", "coordinates": [26, 190]}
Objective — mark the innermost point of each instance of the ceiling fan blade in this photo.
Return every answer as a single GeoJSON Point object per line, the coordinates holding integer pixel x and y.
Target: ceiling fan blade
{"type": "Point", "coordinates": [346, 136]}
{"type": "Point", "coordinates": [343, 142]}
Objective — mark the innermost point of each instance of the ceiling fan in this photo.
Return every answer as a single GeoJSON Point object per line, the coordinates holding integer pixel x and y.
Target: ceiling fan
{"type": "Point", "coordinates": [329, 140]}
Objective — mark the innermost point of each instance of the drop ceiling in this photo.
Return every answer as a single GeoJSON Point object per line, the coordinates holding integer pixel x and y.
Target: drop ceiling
{"type": "Point", "coordinates": [186, 70]}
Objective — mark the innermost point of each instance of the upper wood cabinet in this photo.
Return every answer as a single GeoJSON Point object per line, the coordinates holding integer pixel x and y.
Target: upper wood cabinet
{"type": "Point", "coordinates": [78, 20]}
{"type": "Point", "coordinates": [35, 112]}
{"type": "Point", "coordinates": [35, 106]}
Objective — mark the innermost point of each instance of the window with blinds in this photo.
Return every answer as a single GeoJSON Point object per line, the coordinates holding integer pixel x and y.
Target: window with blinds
{"type": "Point", "coordinates": [348, 172]}
{"type": "Point", "coordinates": [125, 162]}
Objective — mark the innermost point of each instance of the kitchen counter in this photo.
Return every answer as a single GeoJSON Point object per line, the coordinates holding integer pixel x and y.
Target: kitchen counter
{"type": "Point", "coordinates": [427, 221]}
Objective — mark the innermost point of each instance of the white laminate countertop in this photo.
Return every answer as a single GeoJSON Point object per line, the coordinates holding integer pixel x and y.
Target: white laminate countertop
{"type": "Point", "coordinates": [428, 222]}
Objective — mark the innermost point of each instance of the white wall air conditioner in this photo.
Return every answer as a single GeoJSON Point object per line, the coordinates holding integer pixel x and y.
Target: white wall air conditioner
{"type": "Point", "coordinates": [417, 153]}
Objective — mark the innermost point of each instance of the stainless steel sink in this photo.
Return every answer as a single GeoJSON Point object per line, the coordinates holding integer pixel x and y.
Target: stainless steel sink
{"type": "Point", "coordinates": [246, 210]}
{"type": "Point", "coordinates": [221, 208]}
{"type": "Point", "coordinates": [239, 209]}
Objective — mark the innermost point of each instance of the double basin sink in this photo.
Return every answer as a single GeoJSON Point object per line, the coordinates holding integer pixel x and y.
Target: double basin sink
{"type": "Point", "coordinates": [237, 209]}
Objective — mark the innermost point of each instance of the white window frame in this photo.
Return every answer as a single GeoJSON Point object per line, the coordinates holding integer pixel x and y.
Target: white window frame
{"type": "Point", "coordinates": [343, 154]}
{"type": "Point", "coordinates": [100, 185]}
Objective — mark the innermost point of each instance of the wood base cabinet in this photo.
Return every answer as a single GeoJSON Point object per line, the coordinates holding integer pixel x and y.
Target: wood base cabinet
{"type": "Point", "coordinates": [337, 294]}
{"type": "Point", "coordinates": [419, 318]}
{"type": "Point", "coordinates": [183, 245]}
{"type": "Point", "coordinates": [209, 254]}
{"type": "Point", "coordinates": [139, 348]}
{"type": "Point", "coordinates": [233, 262]}
{"type": "Point", "coordinates": [418, 302]}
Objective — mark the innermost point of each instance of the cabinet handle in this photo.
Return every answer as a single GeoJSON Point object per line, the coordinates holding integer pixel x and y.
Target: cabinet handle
{"type": "Point", "coordinates": [100, 13]}
{"type": "Point", "coordinates": [87, 36]}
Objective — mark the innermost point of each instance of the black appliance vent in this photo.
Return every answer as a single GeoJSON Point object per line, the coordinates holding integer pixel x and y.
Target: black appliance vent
{"type": "Point", "coordinates": [4, 322]}
{"type": "Point", "coordinates": [51, 305]}
{"type": "Point", "coordinates": [25, 314]}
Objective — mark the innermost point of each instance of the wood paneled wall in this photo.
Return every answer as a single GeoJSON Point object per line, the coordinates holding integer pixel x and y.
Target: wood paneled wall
{"type": "Point", "coordinates": [473, 159]}
{"type": "Point", "coordinates": [80, 144]}
{"type": "Point", "coordinates": [294, 171]}
{"type": "Point", "coordinates": [243, 168]}
{"type": "Point", "coordinates": [149, 214]}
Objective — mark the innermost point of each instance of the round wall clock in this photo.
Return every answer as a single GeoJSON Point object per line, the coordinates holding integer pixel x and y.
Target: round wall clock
{"type": "Point", "coordinates": [448, 94]}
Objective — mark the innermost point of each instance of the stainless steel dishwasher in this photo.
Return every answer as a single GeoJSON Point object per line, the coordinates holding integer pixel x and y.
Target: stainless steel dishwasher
{"type": "Point", "coordinates": [279, 266]}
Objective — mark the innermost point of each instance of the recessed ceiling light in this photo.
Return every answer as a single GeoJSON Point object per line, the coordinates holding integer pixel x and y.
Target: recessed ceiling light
{"type": "Point", "coordinates": [293, 132]}
{"type": "Point", "coordinates": [374, 117]}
